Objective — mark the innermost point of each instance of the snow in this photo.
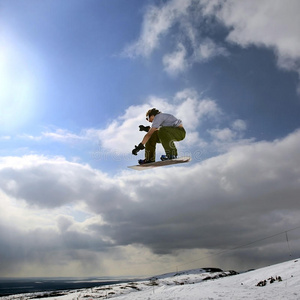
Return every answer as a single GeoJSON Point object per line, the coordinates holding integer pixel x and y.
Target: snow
{"type": "Point", "coordinates": [281, 281]}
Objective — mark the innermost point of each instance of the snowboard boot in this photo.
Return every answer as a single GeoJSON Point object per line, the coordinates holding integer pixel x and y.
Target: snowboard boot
{"type": "Point", "coordinates": [144, 161]}
{"type": "Point", "coordinates": [167, 157]}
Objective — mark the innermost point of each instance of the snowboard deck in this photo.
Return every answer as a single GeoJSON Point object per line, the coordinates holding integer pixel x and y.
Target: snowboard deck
{"type": "Point", "coordinates": [157, 164]}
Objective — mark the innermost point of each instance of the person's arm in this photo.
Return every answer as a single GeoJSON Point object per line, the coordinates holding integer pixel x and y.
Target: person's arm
{"type": "Point", "coordinates": [148, 135]}
{"type": "Point", "coordinates": [144, 141]}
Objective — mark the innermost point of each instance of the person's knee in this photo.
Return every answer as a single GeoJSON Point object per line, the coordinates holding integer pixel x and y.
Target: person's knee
{"type": "Point", "coordinates": [154, 138]}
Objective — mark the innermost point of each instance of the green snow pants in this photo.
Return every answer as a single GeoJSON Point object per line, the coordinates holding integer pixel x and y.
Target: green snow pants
{"type": "Point", "coordinates": [166, 136]}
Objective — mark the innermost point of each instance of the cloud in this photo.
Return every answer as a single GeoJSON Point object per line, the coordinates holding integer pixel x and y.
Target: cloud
{"type": "Point", "coordinates": [46, 242]}
{"type": "Point", "coordinates": [64, 136]}
{"type": "Point", "coordinates": [250, 186]}
{"type": "Point", "coordinates": [202, 117]}
{"type": "Point", "coordinates": [239, 125]}
{"type": "Point", "coordinates": [48, 183]}
{"type": "Point", "coordinates": [60, 135]}
{"type": "Point", "coordinates": [188, 45]}
{"type": "Point", "coordinates": [247, 193]}
{"type": "Point", "coordinates": [179, 61]}
{"type": "Point", "coordinates": [46, 252]}
{"type": "Point", "coordinates": [271, 24]}
{"type": "Point", "coordinates": [223, 134]}
{"type": "Point", "coordinates": [157, 23]}
{"type": "Point", "coordinates": [187, 105]}
{"type": "Point", "coordinates": [228, 137]}
{"type": "Point", "coordinates": [5, 137]}
{"type": "Point", "coordinates": [208, 49]}
{"type": "Point", "coordinates": [118, 138]}
{"type": "Point", "coordinates": [175, 62]}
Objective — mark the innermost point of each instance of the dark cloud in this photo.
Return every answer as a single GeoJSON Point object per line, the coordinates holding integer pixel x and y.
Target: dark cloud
{"type": "Point", "coordinates": [252, 191]}
{"type": "Point", "coordinates": [244, 195]}
{"type": "Point", "coordinates": [52, 183]}
{"type": "Point", "coordinates": [48, 248]}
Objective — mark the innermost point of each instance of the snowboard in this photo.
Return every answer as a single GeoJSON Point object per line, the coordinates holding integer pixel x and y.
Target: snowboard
{"type": "Point", "coordinates": [157, 164]}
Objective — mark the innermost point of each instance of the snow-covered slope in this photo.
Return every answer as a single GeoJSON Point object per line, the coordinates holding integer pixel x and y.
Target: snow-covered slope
{"type": "Point", "coordinates": [277, 282]}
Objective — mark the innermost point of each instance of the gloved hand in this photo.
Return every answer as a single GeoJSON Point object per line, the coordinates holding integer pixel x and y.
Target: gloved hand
{"type": "Point", "coordinates": [144, 128]}
{"type": "Point", "coordinates": [138, 148]}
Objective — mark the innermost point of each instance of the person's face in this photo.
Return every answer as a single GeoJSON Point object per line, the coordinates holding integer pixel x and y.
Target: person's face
{"type": "Point", "coordinates": [150, 119]}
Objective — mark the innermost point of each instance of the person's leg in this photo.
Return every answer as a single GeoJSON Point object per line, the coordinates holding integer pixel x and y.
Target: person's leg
{"type": "Point", "coordinates": [168, 135]}
{"type": "Point", "coordinates": [150, 147]}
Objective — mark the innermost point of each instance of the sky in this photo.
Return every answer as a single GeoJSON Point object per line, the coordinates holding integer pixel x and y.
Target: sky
{"type": "Point", "coordinates": [76, 80]}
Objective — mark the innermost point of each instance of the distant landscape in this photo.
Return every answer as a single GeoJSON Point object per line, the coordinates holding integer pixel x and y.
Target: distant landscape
{"type": "Point", "coordinates": [276, 282]}
{"type": "Point", "coordinates": [10, 286]}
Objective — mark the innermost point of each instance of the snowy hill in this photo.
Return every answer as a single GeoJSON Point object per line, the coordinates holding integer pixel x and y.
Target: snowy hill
{"type": "Point", "coordinates": [277, 282]}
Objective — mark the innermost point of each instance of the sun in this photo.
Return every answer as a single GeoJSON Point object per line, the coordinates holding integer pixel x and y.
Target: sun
{"type": "Point", "coordinates": [17, 88]}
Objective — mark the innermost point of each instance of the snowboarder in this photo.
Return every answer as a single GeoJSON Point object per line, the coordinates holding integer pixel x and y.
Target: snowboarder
{"type": "Point", "coordinates": [165, 129]}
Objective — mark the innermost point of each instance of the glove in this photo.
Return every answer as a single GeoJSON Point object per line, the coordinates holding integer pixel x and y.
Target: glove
{"type": "Point", "coordinates": [137, 148]}
{"type": "Point", "coordinates": [144, 128]}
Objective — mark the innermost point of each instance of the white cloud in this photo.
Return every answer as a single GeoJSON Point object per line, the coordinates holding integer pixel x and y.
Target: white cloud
{"type": "Point", "coordinates": [265, 23]}
{"type": "Point", "coordinates": [179, 61]}
{"type": "Point", "coordinates": [64, 135]}
{"type": "Point", "coordinates": [226, 138]}
{"type": "Point", "coordinates": [157, 22]}
{"type": "Point", "coordinates": [239, 125]}
{"type": "Point", "coordinates": [120, 135]}
{"type": "Point", "coordinates": [187, 105]}
{"type": "Point", "coordinates": [118, 138]}
{"type": "Point", "coordinates": [224, 134]}
{"type": "Point", "coordinates": [5, 137]}
{"type": "Point", "coordinates": [229, 134]}
{"type": "Point", "coordinates": [271, 24]}
{"type": "Point", "coordinates": [208, 49]}
{"type": "Point", "coordinates": [175, 62]}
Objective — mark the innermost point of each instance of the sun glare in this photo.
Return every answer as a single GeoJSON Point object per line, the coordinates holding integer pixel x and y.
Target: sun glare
{"type": "Point", "coordinates": [17, 87]}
